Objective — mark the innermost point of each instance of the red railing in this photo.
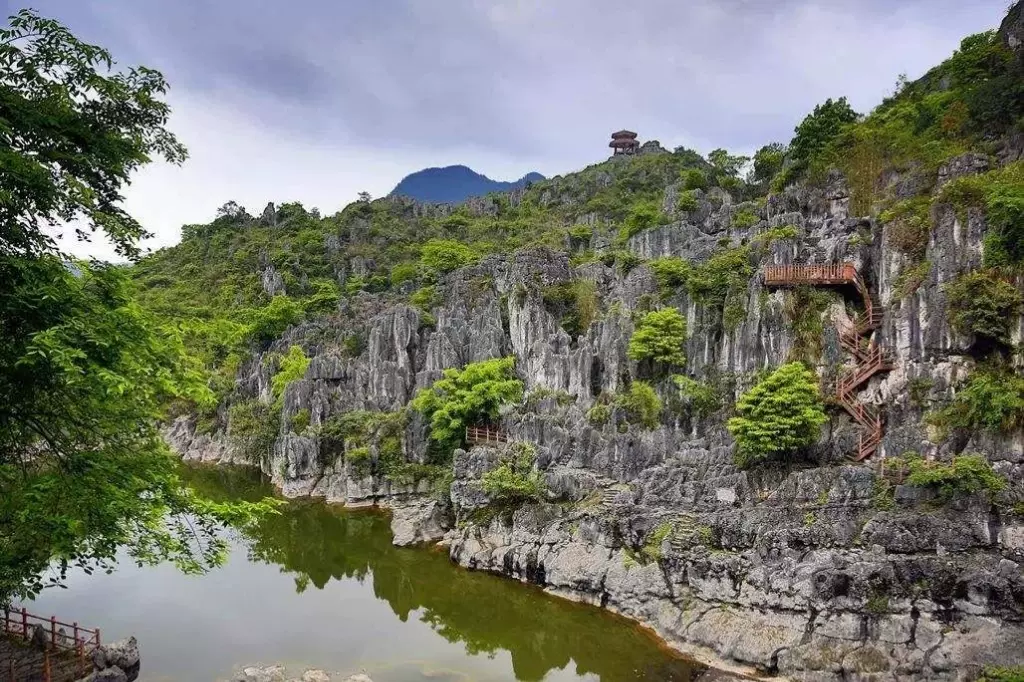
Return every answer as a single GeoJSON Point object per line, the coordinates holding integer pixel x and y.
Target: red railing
{"type": "Point", "coordinates": [66, 643]}
{"type": "Point", "coordinates": [868, 360]}
{"type": "Point", "coordinates": [485, 434]}
{"type": "Point", "coordinates": [834, 273]}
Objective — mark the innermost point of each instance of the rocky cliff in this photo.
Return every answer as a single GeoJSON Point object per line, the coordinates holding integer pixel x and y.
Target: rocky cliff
{"type": "Point", "coordinates": [794, 570]}
{"type": "Point", "coordinates": [816, 568]}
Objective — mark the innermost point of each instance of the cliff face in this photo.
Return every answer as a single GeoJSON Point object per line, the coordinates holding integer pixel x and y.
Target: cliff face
{"type": "Point", "coordinates": [798, 570]}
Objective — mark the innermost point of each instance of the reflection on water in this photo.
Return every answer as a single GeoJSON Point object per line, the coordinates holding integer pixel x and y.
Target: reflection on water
{"type": "Point", "coordinates": [344, 570]}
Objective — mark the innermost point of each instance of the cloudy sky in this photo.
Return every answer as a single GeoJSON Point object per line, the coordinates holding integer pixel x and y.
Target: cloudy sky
{"type": "Point", "coordinates": [316, 100]}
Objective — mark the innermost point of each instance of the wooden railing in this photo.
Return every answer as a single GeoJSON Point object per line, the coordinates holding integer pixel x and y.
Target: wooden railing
{"type": "Point", "coordinates": [869, 359]}
{"type": "Point", "coordinates": [65, 655]}
{"type": "Point", "coordinates": [831, 273]}
{"type": "Point", "coordinates": [485, 434]}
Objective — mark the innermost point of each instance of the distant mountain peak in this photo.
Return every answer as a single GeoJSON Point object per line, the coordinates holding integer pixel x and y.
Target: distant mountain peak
{"type": "Point", "coordinates": [452, 184]}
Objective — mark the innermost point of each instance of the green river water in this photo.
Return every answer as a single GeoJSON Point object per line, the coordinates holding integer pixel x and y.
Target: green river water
{"type": "Point", "coordinates": [319, 586]}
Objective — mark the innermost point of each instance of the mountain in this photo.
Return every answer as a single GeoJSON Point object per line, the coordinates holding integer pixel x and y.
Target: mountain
{"type": "Point", "coordinates": [453, 184]}
{"type": "Point", "coordinates": [776, 417]}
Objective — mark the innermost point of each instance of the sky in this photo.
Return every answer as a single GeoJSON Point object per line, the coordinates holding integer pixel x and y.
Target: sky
{"type": "Point", "coordinates": [318, 100]}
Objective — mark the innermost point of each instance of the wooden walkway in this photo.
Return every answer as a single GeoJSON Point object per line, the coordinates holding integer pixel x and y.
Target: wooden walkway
{"type": "Point", "coordinates": [485, 435]}
{"type": "Point", "coordinates": [869, 358]}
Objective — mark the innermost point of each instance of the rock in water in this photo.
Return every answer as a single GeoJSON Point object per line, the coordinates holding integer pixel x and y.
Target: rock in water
{"type": "Point", "coordinates": [270, 673]}
{"type": "Point", "coordinates": [315, 676]}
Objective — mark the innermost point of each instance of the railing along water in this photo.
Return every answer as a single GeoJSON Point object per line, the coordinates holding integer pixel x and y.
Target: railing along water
{"type": "Point", "coordinates": [64, 642]}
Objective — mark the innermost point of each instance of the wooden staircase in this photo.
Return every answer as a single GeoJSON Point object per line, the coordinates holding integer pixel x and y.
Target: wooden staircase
{"type": "Point", "coordinates": [869, 358]}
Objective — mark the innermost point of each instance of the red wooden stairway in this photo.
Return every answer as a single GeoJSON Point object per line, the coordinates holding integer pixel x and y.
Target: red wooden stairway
{"type": "Point", "coordinates": [869, 358]}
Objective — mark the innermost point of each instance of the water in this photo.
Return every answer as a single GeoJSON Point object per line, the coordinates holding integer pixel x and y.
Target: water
{"type": "Point", "coordinates": [323, 587]}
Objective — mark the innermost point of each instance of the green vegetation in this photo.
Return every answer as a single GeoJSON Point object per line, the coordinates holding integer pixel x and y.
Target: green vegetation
{"type": "Point", "coordinates": [444, 255]}
{"type": "Point", "coordinates": [642, 216]}
{"type": "Point", "coordinates": [85, 373]}
{"type": "Point", "coordinates": [652, 548]}
{"type": "Point", "coordinates": [660, 336]}
{"type": "Point", "coordinates": [696, 398]}
{"type": "Point", "coordinates": [910, 224]}
{"type": "Point", "coordinates": [1001, 194]}
{"type": "Point", "coordinates": [575, 303]}
{"type": "Point", "coordinates": [641, 405]}
{"type": "Point", "coordinates": [516, 478]}
{"type": "Point", "coordinates": [819, 130]}
{"type": "Point", "coordinates": [965, 474]}
{"type": "Point", "coordinates": [768, 162]}
{"type": "Point", "coordinates": [467, 396]}
{"type": "Point", "coordinates": [910, 279]}
{"type": "Point", "coordinates": [993, 674]}
{"type": "Point", "coordinates": [992, 399]}
{"type": "Point", "coordinates": [744, 218]}
{"type": "Point", "coordinates": [291, 367]}
{"type": "Point", "coordinates": [983, 304]}
{"type": "Point", "coordinates": [671, 272]}
{"type": "Point", "coordinates": [694, 178]}
{"type": "Point", "coordinates": [252, 428]}
{"type": "Point", "coordinates": [687, 201]}
{"type": "Point", "coordinates": [780, 415]}
{"type": "Point", "coordinates": [805, 309]}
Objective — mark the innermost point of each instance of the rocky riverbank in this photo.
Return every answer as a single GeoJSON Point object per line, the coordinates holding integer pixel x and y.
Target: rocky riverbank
{"type": "Point", "coordinates": [812, 568]}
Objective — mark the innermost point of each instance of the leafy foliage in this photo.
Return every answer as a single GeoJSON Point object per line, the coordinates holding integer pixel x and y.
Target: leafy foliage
{"type": "Point", "coordinates": [85, 373]}
{"type": "Point", "coordinates": [291, 368]}
{"type": "Point", "coordinates": [694, 178]}
{"type": "Point", "coordinates": [516, 478]}
{"type": "Point", "coordinates": [699, 399]}
{"type": "Point", "coordinates": [445, 255]}
{"type": "Point", "coordinates": [1001, 194]}
{"type": "Point", "coordinates": [992, 398]}
{"type": "Point", "coordinates": [768, 161]}
{"type": "Point", "coordinates": [641, 404]}
{"type": "Point", "coordinates": [467, 396]}
{"type": "Point", "coordinates": [252, 428]}
{"type": "Point", "coordinates": [910, 224]}
{"type": "Point", "coordinates": [984, 305]}
{"type": "Point", "coordinates": [966, 474]}
{"type": "Point", "coordinates": [820, 128]}
{"type": "Point", "coordinates": [660, 336]}
{"type": "Point", "coordinates": [642, 216]}
{"type": "Point", "coordinates": [780, 415]}
{"type": "Point", "coordinates": [671, 272]}
{"type": "Point", "coordinates": [73, 133]}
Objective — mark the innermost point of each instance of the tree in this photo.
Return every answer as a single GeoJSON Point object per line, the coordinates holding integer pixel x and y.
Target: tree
{"type": "Point", "coordinates": [819, 128]}
{"type": "Point", "coordinates": [727, 164]}
{"type": "Point", "coordinates": [778, 416]}
{"type": "Point", "coordinates": [660, 336]}
{"type": "Point", "coordinates": [84, 377]}
{"type": "Point", "coordinates": [768, 162]}
{"type": "Point", "coordinates": [463, 397]}
{"type": "Point", "coordinates": [85, 374]}
{"type": "Point", "coordinates": [445, 255]}
{"type": "Point", "coordinates": [72, 133]}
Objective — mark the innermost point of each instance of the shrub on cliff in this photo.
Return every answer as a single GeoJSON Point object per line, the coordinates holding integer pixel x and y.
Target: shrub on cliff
{"type": "Point", "coordinates": [463, 397]}
{"type": "Point", "coordinates": [966, 474]}
{"type": "Point", "coordinates": [984, 305]}
{"type": "Point", "coordinates": [778, 416]}
{"type": "Point", "coordinates": [515, 479]}
{"type": "Point", "coordinates": [444, 255]}
{"type": "Point", "coordinates": [291, 368]}
{"type": "Point", "coordinates": [641, 404]}
{"type": "Point", "coordinates": [660, 336]}
{"type": "Point", "coordinates": [992, 399]}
